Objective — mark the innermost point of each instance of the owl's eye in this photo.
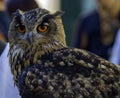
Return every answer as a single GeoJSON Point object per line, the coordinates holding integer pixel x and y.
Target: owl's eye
{"type": "Point", "coordinates": [42, 28]}
{"type": "Point", "coordinates": [21, 29]}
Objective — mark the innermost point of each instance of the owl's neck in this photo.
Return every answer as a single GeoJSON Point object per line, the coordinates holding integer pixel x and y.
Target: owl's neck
{"type": "Point", "coordinates": [48, 47]}
{"type": "Point", "coordinates": [34, 50]}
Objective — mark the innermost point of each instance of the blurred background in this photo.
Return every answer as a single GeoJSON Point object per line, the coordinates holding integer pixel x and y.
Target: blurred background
{"type": "Point", "coordinates": [89, 24]}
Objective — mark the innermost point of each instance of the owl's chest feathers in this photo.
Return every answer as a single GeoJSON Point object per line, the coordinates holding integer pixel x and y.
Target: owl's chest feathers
{"type": "Point", "coordinates": [21, 58]}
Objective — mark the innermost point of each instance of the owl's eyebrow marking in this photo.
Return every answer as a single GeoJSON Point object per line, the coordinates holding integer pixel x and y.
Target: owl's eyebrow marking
{"type": "Point", "coordinates": [18, 19]}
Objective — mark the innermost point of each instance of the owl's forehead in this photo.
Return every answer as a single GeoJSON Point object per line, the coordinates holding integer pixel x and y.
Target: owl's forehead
{"type": "Point", "coordinates": [30, 17]}
{"type": "Point", "coordinates": [33, 15]}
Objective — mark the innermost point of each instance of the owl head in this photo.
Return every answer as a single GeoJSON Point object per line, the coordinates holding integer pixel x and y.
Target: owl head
{"type": "Point", "coordinates": [36, 26]}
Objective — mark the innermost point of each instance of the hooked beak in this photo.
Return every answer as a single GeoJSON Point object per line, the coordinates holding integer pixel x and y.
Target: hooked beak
{"type": "Point", "coordinates": [30, 37]}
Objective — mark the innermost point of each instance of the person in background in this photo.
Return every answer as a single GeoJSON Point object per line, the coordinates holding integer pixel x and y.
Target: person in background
{"type": "Point", "coordinates": [7, 87]}
{"type": "Point", "coordinates": [4, 21]}
{"type": "Point", "coordinates": [96, 31]}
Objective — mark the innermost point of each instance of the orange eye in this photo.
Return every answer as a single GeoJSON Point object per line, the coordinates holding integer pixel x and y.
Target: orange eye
{"type": "Point", "coordinates": [42, 29]}
{"type": "Point", "coordinates": [21, 29]}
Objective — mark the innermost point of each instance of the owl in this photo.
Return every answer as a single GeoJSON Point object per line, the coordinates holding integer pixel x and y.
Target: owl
{"type": "Point", "coordinates": [43, 66]}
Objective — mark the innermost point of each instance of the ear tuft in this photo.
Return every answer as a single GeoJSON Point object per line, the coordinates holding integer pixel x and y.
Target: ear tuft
{"type": "Point", "coordinates": [58, 13]}
{"type": "Point", "coordinates": [53, 15]}
{"type": "Point", "coordinates": [17, 13]}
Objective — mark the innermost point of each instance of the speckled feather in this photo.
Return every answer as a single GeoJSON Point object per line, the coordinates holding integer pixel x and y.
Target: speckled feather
{"type": "Point", "coordinates": [70, 73]}
{"type": "Point", "coordinates": [47, 68]}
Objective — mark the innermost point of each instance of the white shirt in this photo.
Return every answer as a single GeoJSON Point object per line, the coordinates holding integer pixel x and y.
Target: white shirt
{"type": "Point", "coordinates": [7, 87]}
{"type": "Point", "coordinates": [115, 57]}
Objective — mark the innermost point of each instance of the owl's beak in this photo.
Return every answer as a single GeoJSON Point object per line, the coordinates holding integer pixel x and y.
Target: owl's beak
{"type": "Point", "coordinates": [30, 37]}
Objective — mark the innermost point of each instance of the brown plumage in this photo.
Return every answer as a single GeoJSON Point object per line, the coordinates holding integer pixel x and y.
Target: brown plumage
{"type": "Point", "coordinates": [44, 67]}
